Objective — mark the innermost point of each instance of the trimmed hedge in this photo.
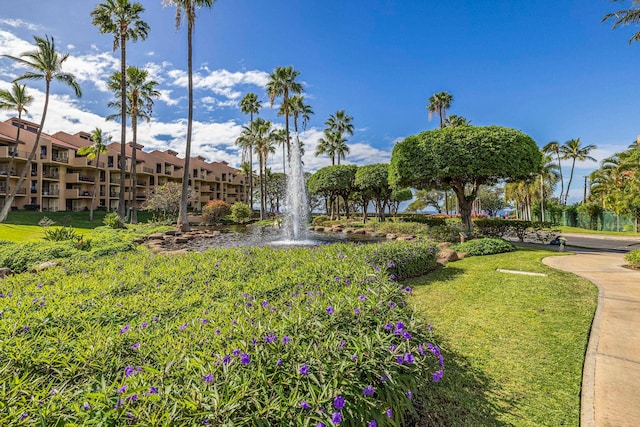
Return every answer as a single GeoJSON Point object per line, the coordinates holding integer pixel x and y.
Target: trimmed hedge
{"type": "Point", "coordinates": [486, 246]}
{"type": "Point", "coordinates": [633, 258]}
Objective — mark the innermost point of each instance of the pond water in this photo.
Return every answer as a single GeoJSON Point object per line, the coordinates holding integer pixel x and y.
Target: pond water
{"type": "Point", "coordinates": [243, 236]}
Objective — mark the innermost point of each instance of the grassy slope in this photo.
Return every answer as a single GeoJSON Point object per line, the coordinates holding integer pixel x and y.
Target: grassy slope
{"type": "Point", "coordinates": [515, 344]}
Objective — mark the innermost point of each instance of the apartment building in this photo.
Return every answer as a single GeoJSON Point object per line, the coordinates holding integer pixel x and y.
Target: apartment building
{"type": "Point", "coordinates": [60, 179]}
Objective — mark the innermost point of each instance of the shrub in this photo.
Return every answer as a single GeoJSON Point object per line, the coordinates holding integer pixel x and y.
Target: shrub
{"type": "Point", "coordinates": [487, 246]}
{"type": "Point", "coordinates": [214, 211]}
{"type": "Point", "coordinates": [404, 260]}
{"type": "Point", "coordinates": [400, 228]}
{"type": "Point", "coordinates": [113, 220]}
{"type": "Point", "coordinates": [429, 220]}
{"type": "Point", "coordinates": [446, 233]}
{"type": "Point", "coordinates": [22, 256]}
{"type": "Point", "coordinates": [244, 340]}
{"type": "Point", "coordinates": [320, 220]}
{"type": "Point", "coordinates": [633, 258]}
{"type": "Point", "coordinates": [492, 227]}
{"type": "Point", "coordinates": [240, 212]}
{"type": "Point", "coordinates": [60, 234]}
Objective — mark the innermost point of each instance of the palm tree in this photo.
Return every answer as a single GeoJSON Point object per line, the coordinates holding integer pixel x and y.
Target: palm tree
{"type": "Point", "coordinates": [122, 19]}
{"type": "Point", "coordinates": [340, 122]}
{"type": "Point", "coordinates": [140, 97]}
{"type": "Point", "coordinates": [299, 110]}
{"type": "Point", "coordinates": [554, 148]}
{"type": "Point", "coordinates": [250, 105]}
{"type": "Point", "coordinates": [14, 100]}
{"type": "Point", "coordinates": [282, 82]}
{"type": "Point", "coordinates": [548, 178]}
{"type": "Point", "coordinates": [455, 120]}
{"type": "Point", "coordinates": [260, 136]}
{"type": "Point", "coordinates": [573, 150]}
{"type": "Point", "coordinates": [327, 146]}
{"type": "Point", "coordinates": [93, 151]}
{"type": "Point", "coordinates": [45, 64]}
{"type": "Point", "coordinates": [340, 148]}
{"type": "Point", "coordinates": [626, 17]}
{"type": "Point", "coordinates": [439, 103]}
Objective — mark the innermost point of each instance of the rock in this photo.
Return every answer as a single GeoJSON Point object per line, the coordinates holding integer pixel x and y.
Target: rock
{"type": "Point", "coordinates": [447, 255]}
{"type": "Point", "coordinates": [45, 266]}
{"type": "Point", "coordinates": [156, 236]}
{"type": "Point", "coordinates": [175, 252]}
{"type": "Point", "coordinates": [171, 232]}
{"type": "Point", "coordinates": [368, 231]}
{"type": "Point", "coordinates": [359, 231]}
{"type": "Point", "coordinates": [138, 241]}
{"type": "Point", "coordinates": [392, 236]}
{"type": "Point", "coordinates": [348, 230]}
{"type": "Point", "coordinates": [5, 272]}
{"type": "Point", "coordinates": [406, 237]}
{"type": "Point", "coordinates": [444, 244]}
{"type": "Point", "coordinates": [461, 255]}
{"type": "Point", "coordinates": [181, 240]}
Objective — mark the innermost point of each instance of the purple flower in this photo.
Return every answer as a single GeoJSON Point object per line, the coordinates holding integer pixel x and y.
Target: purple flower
{"type": "Point", "coordinates": [409, 394]}
{"type": "Point", "coordinates": [338, 403]}
{"type": "Point", "coordinates": [383, 378]}
{"type": "Point", "coordinates": [122, 389]}
{"type": "Point", "coordinates": [132, 398]}
{"type": "Point", "coordinates": [226, 359]}
{"type": "Point", "coordinates": [392, 304]}
{"type": "Point", "coordinates": [86, 406]}
{"type": "Point", "coordinates": [354, 357]}
{"type": "Point", "coordinates": [119, 403]}
{"type": "Point", "coordinates": [406, 335]}
{"type": "Point", "coordinates": [236, 352]}
{"type": "Point", "coordinates": [264, 303]}
{"type": "Point", "coordinates": [337, 278]}
{"type": "Point", "coordinates": [362, 298]}
{"type": "Point", "coordinates": [392, 264]}
{"type": "Point", "coordinates": [217, 331]}
{"type": "Point", "coordinates": [368, 391]}
{"type": "Point", "coordinates": [135, 346]}
{"type": "Point", "coordinates": [389, 413]}
{"type": "Point", "coordinates": [24, 416]}
{"type": "Point", "coordinates": [208, 378]}
{"type": "Point", "coordinates": [393, 347]}
{"type": "Point", "coordinates": [420, 349]}
{"type": "Point", "coordinates": [388, 326]}
{"type": "Point", "coordinates": [128, 371]}
{"type": "Point", "coordinates": [205, 321]}
{"type": "Point", "coordinates": [399, 326]}
{"type": "Point", "coordinates": [245, 359]}
{"type": "Point", "coordinates": [279, 362]}
{"type": "Point", "coordinates": [320, 424]}
{"type": "Point", "coordinates": [356, 311]}
{"type": "Point", "coordinates": [408, 290]}
{"type": "Point", "coordinates": [408, 357]}
{"type": "Point", "coordinates": [183, 326]}
{"type": "Point", "coordinates": [155, 319]}
{"type": "Point", "coordinates": [144, 325]}
{"type": "Point", "coordinates": [437, 376]}
{"type": "Point", "coordinates": [330, 310]}
{"type": "Point", "coordinates": [270, 338]}
{"type": "Point", "coordinates": [305, 405]}
{"type": "Point", "coordinates": [399, 359]}
{"type": "Point", "coordinates": [336, 418]}
{"type": "Point", "coordinates": [393, 276]}
{"type": "Point", "coordinates": [304, 369]}
{"type": "Point", "coordinates": [372, 423]}
{"type": "Point", "coordinates": [206, 422]}
{"type": "Point", "coordinates": [153, 390]}
{"type": "Point", "coordinates": [124, 330]}
{"type": "Point", "coordinates": [286, 339]}
{"type": "Point", "coordinates": [342, 344]}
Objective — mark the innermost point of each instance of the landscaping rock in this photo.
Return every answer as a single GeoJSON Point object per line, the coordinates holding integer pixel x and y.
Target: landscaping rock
{"type": "Point", "coordinates": [5, 272]}
{"type": "Point", "coordinates": [348, 230]}
{"type": "Point", "coordinates": [392, 236]}
{"type": "Point", "coordinates": [156, 236]}
{"type": "Point", "coordinates": [446, 255]}
{"type": "Point", "coordinates": [171, 232]}
{"type": "Point", "coordinates": [406, 237]}
{"type": "Point", "coordinates": [360, 231]}
{"type": "Point", "coordinates": [44, 266]}
{"type": "Point", "coordinates": [212, 233]}
{"type": "Point", "coordinates": [181, 240]}
{"type": "Point", "coordinates": [444, 244]}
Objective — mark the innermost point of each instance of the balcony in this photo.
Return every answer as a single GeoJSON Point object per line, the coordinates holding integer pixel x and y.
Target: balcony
{"type": "Point", "coordinates": [85, 162]}
{"type": "Point", "coordinates": [6, 152]}
{"type": "Point", "coordinates": [141, 183]}
{"type": "Point", "coordinates": [3, 190]}
{"type": "Point", "coordinates": [114, 194]}
{"type": "Point", "coordinates": [114, 180]}
{"type": "Point", "coordinates": [177, 173]}
{"type": "Point", "coordinates": [60, 158]}
{"type": "Point", "coordinates": [50, 193]}
{"type": "Point", "coordinates": [77, 178]}
{"type": "Point", "coordinates": [50, 175]}
{"type": "Point", "coordinates": [76, 193]}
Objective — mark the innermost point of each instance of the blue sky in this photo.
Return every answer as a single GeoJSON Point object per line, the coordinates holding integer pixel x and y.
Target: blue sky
{"type": "Point", "coordinates": [548, 68]}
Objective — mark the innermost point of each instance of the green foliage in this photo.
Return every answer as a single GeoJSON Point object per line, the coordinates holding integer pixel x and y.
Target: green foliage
{"type": "Point", "coordinates": [240, 212]}
{"type": "Point", "coordinates": [400, 228]}
{"type": "Point", "coordinates": [487, 246]}
{"type": "Point", "coordinates": [113, 220]}
{"type": "Point", "coordinates": [633, 258]}
{"type": "Point", "coordinates": [422, 219]}
{"type": "Point", "coordinates": [332, 181]}
{"type": "Point", "coordinates": [165, 200]}
{"type": "Point", "coordinates": [320, 219]}
{"type": "Point", "coordinates": [144, 338]}
{"type": "Point", "coordinates": [372, 181]}
{"type": "Point", "coordinates": [60, 234]}
{"type": "Point", "coordinates": [215, 211]}
{"type": "Point", "coordinates": [594, 211]}
{"type": "Point", "coordinates": [22, 256]}
{"type": "Point", "coordinates": [446, 233]}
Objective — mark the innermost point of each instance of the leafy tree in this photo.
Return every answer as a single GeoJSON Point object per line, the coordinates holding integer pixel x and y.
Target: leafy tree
{"type": "Point", "coordinates": [299, 110]}
{"type": "Point", "coordinates": [439, 103]}
{"type": "Point", "coordinates": [463, 159]}
{"type": "Point", "coordinates": [240, 212]}
{"type": "Point", "coordinates": [141, 93]}
{"type": "Point", "coordinates": [373, 180]}
{"type": "Point", "coordinates": [282, 83]}
{"type": "Point", "coordinates": [626, 17]}
{"type": "Point", "coordinates": [93, 151]}
{"type": "Point", "coordinates": [573, 150]}
{"type": "Point", "coordinates": [330, 144]}
{"type": "Point", "coordinates": [492, 200]}
{"type": "Point", "coordinates": [15, 99]}
{"type": "Point", "coordinates": [398, 196]}
{"type": "Point", "coordinates": [250, 105]}
{"type": "Point", "coordinates": [553, 148]}
{"type": "Point", "coordinates": [45, 63]}
{"type": "Point", "coordinates": [276, 189]}
{"type": "Point", "coordinates": [122, 19]}
{"type": "Point", "coordinates": [332, 182]}
{"type": "Point", "coordinates": [214, 211]}
{"type": "Point", "coordinates": [165, 200]}
{"type": "Point", "coordinates": [188, 8]}
{"type": "Point", "coordinates": [426, 198]}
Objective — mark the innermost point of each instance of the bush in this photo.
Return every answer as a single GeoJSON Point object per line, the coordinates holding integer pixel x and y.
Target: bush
{"type": "Point", "coordinates": [446, 233]}
{"type": "Point", "coordinates": [404, 260]}
{"type": "Point", "coordinates": [215, 211]}
{"type": "Point", "coordinates": [400, 228]}
{"type": "Point", "coordinates": [113, 220]}
{"type": "Point", "coordinates": [21, 256]}
{"type": "Point", "coordinates": [243, 336]}
{"type": "Point", "coordinates": [487, 246]}
{"type": "Point", "coordinates": [633, 258]}
{"type": "Point", "coordinates": [320, 220]}
{"type": "Point", "coordinates": [429, 220]}
{"type": "Point", "coordinates": [240, 212]}
{"type": "Point", "coordinates": [60, 234]}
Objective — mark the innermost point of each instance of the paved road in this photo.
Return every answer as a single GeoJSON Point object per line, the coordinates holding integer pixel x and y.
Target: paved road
{"type": "Point", "coordinates": [602, 242]}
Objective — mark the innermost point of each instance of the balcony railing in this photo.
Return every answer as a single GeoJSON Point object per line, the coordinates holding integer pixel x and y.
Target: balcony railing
{"type": "Point", "coordinates": [50, 193]}
{"type": "Point", "coordinates": [60, 159]}
{"type": "Point", "coordinates": [3, 189]}
{"type": "Point", "coordinates": [85, 178]}
{"type": "Point", "coordinates": [51, 175]}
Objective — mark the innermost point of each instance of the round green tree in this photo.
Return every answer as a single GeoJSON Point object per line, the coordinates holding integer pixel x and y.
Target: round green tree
{"type": "Point", "coordinates": [462, 159]}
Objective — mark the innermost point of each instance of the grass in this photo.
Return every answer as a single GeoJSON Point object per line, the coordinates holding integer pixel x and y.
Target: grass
{"type": "Point", "coordinates": [22, 226]}
{"type": "Point", "coordinates": [514, 344]}
{"type": "Point", "coordinates": [566, 229]}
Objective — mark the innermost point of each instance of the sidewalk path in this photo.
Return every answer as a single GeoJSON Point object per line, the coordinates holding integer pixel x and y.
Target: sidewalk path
{"type": "Point", "coordinates": [611, 373]}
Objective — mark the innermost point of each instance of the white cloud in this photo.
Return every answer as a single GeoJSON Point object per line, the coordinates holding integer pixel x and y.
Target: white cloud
{"type": "Point", "coordinates": [19, 23]}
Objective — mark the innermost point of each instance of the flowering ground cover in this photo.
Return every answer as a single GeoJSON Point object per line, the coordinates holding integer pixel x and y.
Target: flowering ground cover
{"type": "Point", "coordinates": [246, 336]}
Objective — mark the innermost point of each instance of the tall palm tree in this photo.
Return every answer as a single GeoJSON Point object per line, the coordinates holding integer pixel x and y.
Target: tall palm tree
{"type": "Point", "coordinates": [122, 19]}
{"type": "Point", "coordinates": [455, 120]}
{"type": "Point", "coordinates": [15, 99]}
{"type": "Point", "coordinates": [554, 148]}
{"type": "Point", "coordinates": [548, 177]}
{"type": "Point", "coordinates": [340, 148]}
{"type": "Point", "coordinates": [626, 17]}
{"type": "Point", "coordinates": [282, 83]}
{"type": "Point", "coordinates": [250, 105]}
{"type": "Point", "coordinates": [439, 103]}
{"type": "Point", "coordinates": [141, 93]}
{"type": "Point", "coordinates": [93, 151]}
{"type": "Point", "coordinates": [259, 135]}
{"type": "Point", "coordinates": [573, 150]}
{"type": "Point", "coordinates": [45, 63]}
{"type": "Point", "coordinates": [299, 110]}
{"type": "Point", "coordinates": [188, 8]}
{"type": "Point", "coordinates": [326, 145]}
{"type": "Point", "coordinates": [340, 122]}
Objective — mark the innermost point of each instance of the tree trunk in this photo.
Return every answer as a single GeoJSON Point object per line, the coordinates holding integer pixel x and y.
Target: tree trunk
{"type": "Point", "coordinates": [541, 198]}
{"type": "Point", "coordinates": [365, 203]}
{"type": "Point", "coordinates": [561, 179]}
{"type": "Point", "coordinates": [183, 219]}
{"type": "Point", "coordinates": [465, 204]}
{"type": "Point", "coordinates": [263, 199]}
{"type": "Point", "coordinates": [123, 118]}
{"type": "Point", "coordinates": [11, 159]}
{"type": "Point", "coordinates": [27, 168]}
{"type": "Point", "coordinates": [566, 196]}
{"type": "Point", "coordinates": [251, 165]}
{"type": "Point", "coordinates": [134, 176]}
{"type": "Point", "coordinates": [96, 180]}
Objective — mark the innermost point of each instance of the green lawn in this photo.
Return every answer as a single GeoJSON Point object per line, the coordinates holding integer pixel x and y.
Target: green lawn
{"type": "Point", "coordinates": [514, 345]}
{"type": "Point", "coordinates": [23, 226]}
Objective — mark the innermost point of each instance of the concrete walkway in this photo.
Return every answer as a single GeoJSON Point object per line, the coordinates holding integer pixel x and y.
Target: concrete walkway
{"type": "Point", "coordinates": [611, 373]}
